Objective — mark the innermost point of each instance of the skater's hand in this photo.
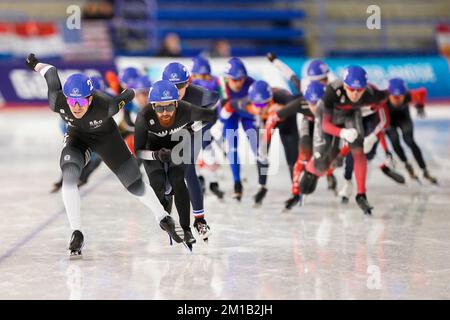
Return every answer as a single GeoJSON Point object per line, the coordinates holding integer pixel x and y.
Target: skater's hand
{"type": "Point", "coordinates": [349, 135]}
{"type": "Point", "coordinates": [31, 61]}
{"type": "Point", "coordinates": [163, 155]}
{"type": "Point", "coordinates": [369, 141]}
{"type": "Point", "coordinates": [420, 111]}
{"type": "Point", "coordinates": [271, 56]}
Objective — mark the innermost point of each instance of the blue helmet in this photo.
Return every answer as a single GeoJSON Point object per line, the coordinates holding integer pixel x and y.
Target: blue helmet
{"type": "Point", "coordinates": [78, 85]}
{"type": "Point", "coordinates": [163, 91]}
{"type": "Point", "coordinates": [201, 66]}
{"type": "Point", "coordinates": [397, 87]}
{"type": "Point", "coordinates": [98, 83]}
{"type": "Point", "coordinates": [260, 92]}
{"type": "Point", "coordinates": [314, 92]}
{"type": "Point", "coordinates": [355, 77]}
{"type": "Point", "coordinates": [317, 70]}
{"type": "Point", "coordinates": [128, 74]}
{"type": "Point", "coordinates": [141, 83]}
{"type": "Point", "coordinates": [235, 69]}
{"type": "Point", "coordinates": [176, 73]}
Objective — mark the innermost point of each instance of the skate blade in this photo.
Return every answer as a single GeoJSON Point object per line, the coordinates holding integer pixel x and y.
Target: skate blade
{"type": "Point", "coordinates": [286, 210]}
{"type": "Point", "coordinates": [188, 246]}
{"type": "Point", "coordinates": [257, 205]}
{"type": "Point", "coordinates": [75, 255]}
{"type": "Point", "coordinates": [345, 200]}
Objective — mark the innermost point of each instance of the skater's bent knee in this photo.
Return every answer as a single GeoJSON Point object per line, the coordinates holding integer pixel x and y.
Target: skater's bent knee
{"type": "Point", "coordinates": [70, 173]}
{"type": "Point", "coordinates": [137, 188]}
{"type": "Point", "coordinates": [128, 173]}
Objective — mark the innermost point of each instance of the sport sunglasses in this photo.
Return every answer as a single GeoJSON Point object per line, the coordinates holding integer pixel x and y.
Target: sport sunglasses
{"type": "Point", "coordinates": [355, 89]}
{"type": "Point", "coordinates": [82, 102]}
{"type": "Point", "coordinates": [168, 108]}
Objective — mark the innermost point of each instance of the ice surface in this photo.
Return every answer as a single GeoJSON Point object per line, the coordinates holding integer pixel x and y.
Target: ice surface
{"type": "Point", "coordinates": [323, 250]}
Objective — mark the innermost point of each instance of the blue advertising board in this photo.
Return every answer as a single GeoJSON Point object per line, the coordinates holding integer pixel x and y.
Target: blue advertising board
{"type": "Point", "coordinates": [430, 72]}
{"type": "Point", "coordinates": [19, 85]}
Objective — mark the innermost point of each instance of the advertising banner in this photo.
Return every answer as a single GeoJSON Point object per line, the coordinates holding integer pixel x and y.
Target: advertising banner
{"type": "Point", "coordinates": [19, 85]}
{"type": "Point", "coordinates": [430, 72]}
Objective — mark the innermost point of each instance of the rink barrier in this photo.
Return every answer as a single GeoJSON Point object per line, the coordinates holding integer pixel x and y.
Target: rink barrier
{"type": "Point", "coordinates": [19, 86]}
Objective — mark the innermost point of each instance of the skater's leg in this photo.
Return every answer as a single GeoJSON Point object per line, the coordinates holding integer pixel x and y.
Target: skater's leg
{"type": "Point", "coordinates": [304, 154]}
{"type": "Point", "coordinates": [406, 126]}
{"type": "Point", "coordinates": [395, 140]}
{"type": "Point", "coordinates": [73, 158]}
{"type": "Point", "coordinates": [258, 150]}
{"type": "Point", "coordinates": [181, 194]}
{"type": "Point", "coordinates": [157, 178]}
{"type": "Point", "coordinates": [349, 165]}
{"type": "Point", "coordinates": [356, 149]}
{"type": "Point", "coordinates": [192, 180]}
{"type": "Point", "coordinates": [195, 190]}
{"type": "Point", "coordinates": [291, 152]}
{"type": "Point", "coordinates": [119, 159]}
{"type": "Point", "coordinates": [231, 135]}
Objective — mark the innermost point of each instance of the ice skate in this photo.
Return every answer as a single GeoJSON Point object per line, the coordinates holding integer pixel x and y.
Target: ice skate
{"type": "Point", "coordinates": [293, 201]}
{"type": "Point", "coordinates": [346, 191]}
{"type": "Point", "coordinates": [214, 187]}
{"type": "Point", "coordinates": [362, 202]}
{"type": "Point", "coordinates": [202, 228]}
{"type": "Point", "coordinates": [237, 191]}
{"type": "Point", "coordinates": [189, 239]}
{"type": "Point", "coordinates": [168, 225]}
{"type": "Point", "coordinates": [430, 178]}
{"type": "Point", "coordinates": [411, 172]}
{"type": "Point", "coordinates": [259, 197]}
{"type": "Point", "coordinates": [76, 244]}
{"type": "Point", "coordinates": [397, 177]}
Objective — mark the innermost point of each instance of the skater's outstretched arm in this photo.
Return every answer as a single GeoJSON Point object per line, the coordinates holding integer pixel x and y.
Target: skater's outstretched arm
{"type": "Point", "coordinates": [298, 105]}
{"type": "Point", "coordinates": [285, 70]}
{"type": "Point", "coordinates": [51, 76]}
{"type": "Point", "coordinates": [118, 102]}
{"type": "Point", "coordinates": [202, 114]}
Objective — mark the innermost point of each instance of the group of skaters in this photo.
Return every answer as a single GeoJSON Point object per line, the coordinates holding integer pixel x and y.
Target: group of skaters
{"type": "Point", "coordinates": [126, 121]}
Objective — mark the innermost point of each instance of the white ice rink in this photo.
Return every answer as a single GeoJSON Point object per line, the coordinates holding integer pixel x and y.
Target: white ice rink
{"type": "Point", "coordinates": [323, 250]}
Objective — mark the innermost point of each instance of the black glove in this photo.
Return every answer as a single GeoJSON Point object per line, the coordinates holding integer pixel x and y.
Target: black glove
{"type": "Point", "coordinates": [31, 61]}
{"type": "Point", "coordinates": [163, 155]}
{"type": "Point", "coordinates": [271, 56]}
{"type": "Point", "coordinates": [420, 110]}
